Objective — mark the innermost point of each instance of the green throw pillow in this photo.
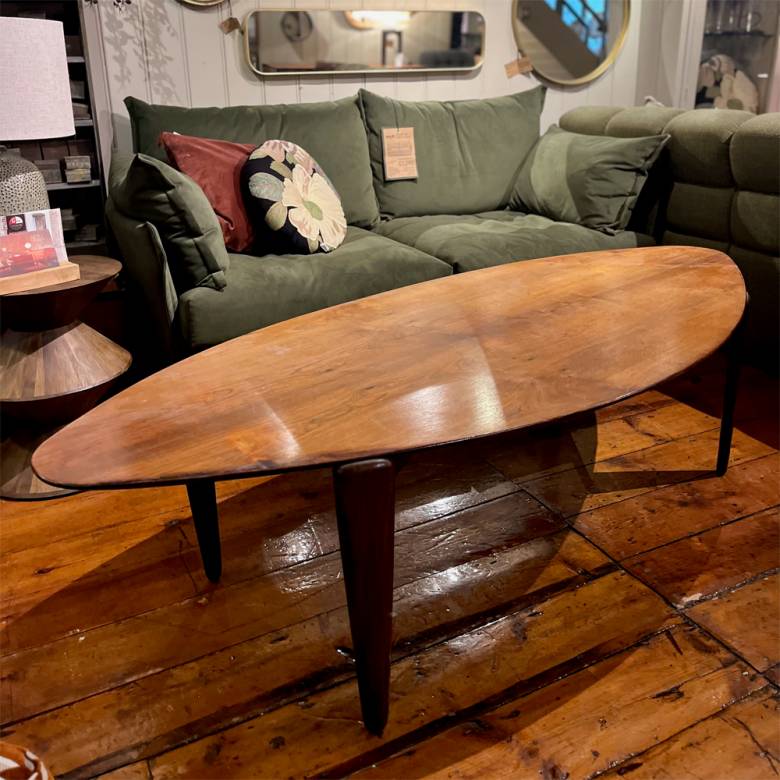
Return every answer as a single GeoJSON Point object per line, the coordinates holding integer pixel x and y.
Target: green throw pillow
{"type": "Point", "coordinates": [588, 180]}
{"type": "Point", "coordinates": [469, 152]}
{"type": "Point", "coordinates": [151, 191]}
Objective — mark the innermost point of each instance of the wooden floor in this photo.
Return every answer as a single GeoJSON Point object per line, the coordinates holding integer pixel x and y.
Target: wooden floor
{"type": "Point", "coordinates": [569, 603]}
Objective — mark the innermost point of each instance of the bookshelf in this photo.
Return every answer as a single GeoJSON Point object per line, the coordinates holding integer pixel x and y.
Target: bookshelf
{"type": "Point", "coordinates": [81, 202]}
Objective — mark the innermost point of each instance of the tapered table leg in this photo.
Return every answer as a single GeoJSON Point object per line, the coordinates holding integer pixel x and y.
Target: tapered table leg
{"type": "Point", "coordinates": [203, 503]}
{"type": "Point", "coordinates": [365, 507]}
{"type": "Point", "coordinates": [734, 358]}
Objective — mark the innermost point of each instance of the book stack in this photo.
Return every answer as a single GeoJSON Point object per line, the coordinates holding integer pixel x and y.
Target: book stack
{"type": "Point", "coordinates": [78, 168]}
{"type": "Point", "coordinates": [50, 169]}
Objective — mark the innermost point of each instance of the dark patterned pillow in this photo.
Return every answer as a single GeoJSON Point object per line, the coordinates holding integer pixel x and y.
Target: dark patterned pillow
{"type": "Point", "coordinates": [291, 202]}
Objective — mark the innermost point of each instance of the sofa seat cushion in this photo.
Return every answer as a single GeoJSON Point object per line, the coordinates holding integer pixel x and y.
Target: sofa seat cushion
{"type": "Point", "coordinates": [495, 237]}
{"type": "Point", "coordinates": [272, 288]}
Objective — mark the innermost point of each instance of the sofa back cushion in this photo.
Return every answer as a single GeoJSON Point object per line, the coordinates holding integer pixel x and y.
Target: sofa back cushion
{"type": "Point", "coordinates": [717, 187]}
{"type": "Point", "coordinates": [469, 152]}
{"type": "Point", "coordinates": [149, 190]}
{"type": "Point", "coordinates": [587, 180]}
{"type": "Point", "coordinates": [332, 132]}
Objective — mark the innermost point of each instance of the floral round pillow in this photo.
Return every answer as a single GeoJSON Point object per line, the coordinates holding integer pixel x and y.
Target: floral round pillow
{"type": "Point", "coordinates": [290, 200]}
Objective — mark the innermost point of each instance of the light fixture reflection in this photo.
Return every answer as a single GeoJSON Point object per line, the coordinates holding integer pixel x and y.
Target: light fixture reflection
{"type": "Point", "coordinates": [379, 20]}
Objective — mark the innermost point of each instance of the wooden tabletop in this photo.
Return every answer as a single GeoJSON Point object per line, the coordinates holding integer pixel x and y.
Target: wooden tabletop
{"type": "Point", "coordinates": [447, 360]}
{"type": "Point", "coordinates": [45, 308]}
{"type": "Point", "coordinates": [93, 269]}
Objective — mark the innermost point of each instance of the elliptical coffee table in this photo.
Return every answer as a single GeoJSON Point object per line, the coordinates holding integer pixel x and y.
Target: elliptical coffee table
{"type": "Point", "coordinates": [358, 385]}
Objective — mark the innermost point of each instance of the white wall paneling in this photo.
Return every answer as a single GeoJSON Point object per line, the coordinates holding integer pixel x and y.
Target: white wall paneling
{"type": "Point", "coordinates": [166, 52]}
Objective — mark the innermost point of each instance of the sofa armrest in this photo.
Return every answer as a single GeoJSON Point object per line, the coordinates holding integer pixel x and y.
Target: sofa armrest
{"type": "Point", "coordinates": [152, 296]}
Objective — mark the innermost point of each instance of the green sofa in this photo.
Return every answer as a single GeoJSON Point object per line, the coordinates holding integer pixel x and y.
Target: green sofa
{"type": "Point", "coordinates": [716, 184]}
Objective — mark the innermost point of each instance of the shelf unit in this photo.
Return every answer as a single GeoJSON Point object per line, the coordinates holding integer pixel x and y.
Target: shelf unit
{"type": "Point", "coordinates": [750, 39]}
{"type": "Point", "coordinates": [85, 199]}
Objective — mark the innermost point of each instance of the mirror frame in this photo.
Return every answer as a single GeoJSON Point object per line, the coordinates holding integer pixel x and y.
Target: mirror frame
{"type": "Point", "coordinates": [348, 73]}
{"type": "Point", "coordinates": [600, 70]}
{"type": "Point", "coordinates": [202, 3]}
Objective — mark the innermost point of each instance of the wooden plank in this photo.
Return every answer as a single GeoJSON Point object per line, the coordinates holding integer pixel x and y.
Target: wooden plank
{"type": "Point", "coordinates": [617, 479]}
{"type": "Point", "coordinates": [87, 662]}
{"type": "Point", "coordinates": [702, 388]}
{"type": "Point", "coordinates": [589, 721]}
{"type": "Point", "coordinates": [421, 548]}
{"type": "Point", "coordinates": [153, 714]}
{"type": "Point", "coordinates": [270, 524]}
{"type": "Point", "coordinates": [138, 771]}
{"type": "Point", "coordinates": [623, 428]}
{"type": "Point", "coordinates": [673, 421]}
{"type": "Point", "coordinates": [45, 597]}
{"type": "Point", "coordinates": [241, 679]}
{"type": "Point", "coordinates": [746, 620]}
{"type": "Point", "coordinates": [717, 560]}
{"type": "Point", "coordinates": [600, 617]}
{"type": "Point", "coordinates": [293, 518]}
{"type": "Point", "coordinates": [528, 455]}
{"type": "Point", "coordinates": [740, 743]}
{"type": "Point", "coordinates": [773, 675]}
{"type": "Point", "coordinates": [84, 513]}
{"type": "Point", "coordinates": [650, 520]}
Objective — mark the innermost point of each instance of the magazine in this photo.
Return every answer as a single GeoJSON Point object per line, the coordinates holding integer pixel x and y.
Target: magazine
{"type": "Point", "coordinates": [34, 238]}
{"type": "Point", "coordinates": [32, 251]}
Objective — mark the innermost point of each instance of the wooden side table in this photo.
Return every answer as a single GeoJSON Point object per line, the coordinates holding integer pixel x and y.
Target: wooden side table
{"type": "Point", "coordinates": [53, 368]}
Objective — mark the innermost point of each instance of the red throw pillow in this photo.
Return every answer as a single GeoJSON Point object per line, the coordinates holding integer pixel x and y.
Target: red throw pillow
{"type": "Point", "coordinates": [216, 167]}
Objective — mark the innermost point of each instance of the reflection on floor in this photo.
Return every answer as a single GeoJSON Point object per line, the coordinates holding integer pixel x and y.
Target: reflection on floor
{"type": "Point", "coordinates": [570, 601]}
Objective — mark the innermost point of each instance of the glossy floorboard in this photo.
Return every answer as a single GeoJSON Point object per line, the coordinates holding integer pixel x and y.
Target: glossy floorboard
{"type": "Point", "coordinates": [569, 602]}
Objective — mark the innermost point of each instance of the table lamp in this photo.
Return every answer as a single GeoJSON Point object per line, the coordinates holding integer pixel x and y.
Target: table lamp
{"type": "Point", "coordinates": [35, 103]}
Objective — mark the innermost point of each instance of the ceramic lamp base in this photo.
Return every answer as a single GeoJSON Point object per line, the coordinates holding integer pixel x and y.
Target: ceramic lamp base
{"type": "Point", "coordinates": [22, 187]}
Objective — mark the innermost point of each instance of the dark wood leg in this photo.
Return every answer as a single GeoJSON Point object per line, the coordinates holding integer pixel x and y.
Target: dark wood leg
{"type": "Point", "coordinates": [203, 503]}
{"type": "Point", "coordinates": [734, 358]}
{"type": "Point", "coordinates": [365, 507]}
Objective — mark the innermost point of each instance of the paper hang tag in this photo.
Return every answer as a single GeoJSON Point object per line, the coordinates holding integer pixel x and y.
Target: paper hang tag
{"type": "Point", "coordinates": [398, 153]}
{"type": "Point", "coordinates": [517, 66]}
{"type": "Point", "coordinates": [230, 24]}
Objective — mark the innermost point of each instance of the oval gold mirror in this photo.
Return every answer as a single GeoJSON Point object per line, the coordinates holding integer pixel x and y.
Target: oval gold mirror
{"type": "Point", "coordinates": [570, 42]}
{"type": "Point", "coordinates": [294, 43]}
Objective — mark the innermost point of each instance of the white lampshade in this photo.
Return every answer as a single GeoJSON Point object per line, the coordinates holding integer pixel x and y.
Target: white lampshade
{"type": "Point", "coordinates": [34, 84]}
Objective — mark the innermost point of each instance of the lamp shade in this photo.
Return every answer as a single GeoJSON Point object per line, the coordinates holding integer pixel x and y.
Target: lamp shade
{"type": "Point", "coordinates": [34, 84]}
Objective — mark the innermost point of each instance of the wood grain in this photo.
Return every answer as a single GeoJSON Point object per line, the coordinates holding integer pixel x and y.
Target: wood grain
{"type": "Point", "coordinates": [746, 620]}
{"type": "Point", "coordinates": [617, 479]}
{"type": "Point", "coordinates": [720, 559]}
{"type": "Point", "coordinates": [41, 365]}
{"type": "Point", "coordinates": [463, 357]}
{"type": "Point", "coordinates": [589, 721]}
{"type": "Point", "coordinates": [110, 635]}
{"type": "Point", "coordinates": [742, 743]}
{"type": "Point", "coordinates": [651, 519]}
{"type": "Point", "coordinates": [514, 649]}
{"type": "Point", "coordinates": [54, 306]}
{"type": "Point", "coordinates": [156, 711]}
{"type": "Point", "coordinates": [85, 662]}
{"type": "Point", "coordinates": [16, 474]}
{"type": "Point", "coordinates": [52, 369]}
{"type": "Point", "coordinates": [269, 525]}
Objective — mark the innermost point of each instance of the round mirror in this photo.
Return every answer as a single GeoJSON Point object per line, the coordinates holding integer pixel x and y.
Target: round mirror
{"type": "Point", "coordinates": [570, 42]}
